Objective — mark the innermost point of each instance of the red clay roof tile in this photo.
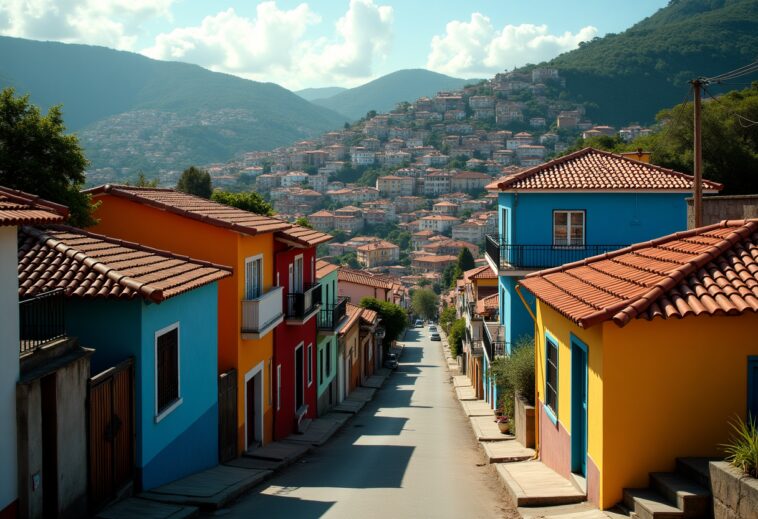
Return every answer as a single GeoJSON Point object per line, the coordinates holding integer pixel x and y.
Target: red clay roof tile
{"type": "Point", "coordinates": [20, 208]}
{"type": "Point", "coordinates": [90, 265]}
{"type": "Point", "coordinates": [595, 170]}
{"type": "Point", "coordinates": [712, 270]}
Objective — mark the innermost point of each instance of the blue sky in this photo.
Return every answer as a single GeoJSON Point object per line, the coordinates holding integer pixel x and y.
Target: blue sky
{"type": "Point", "coordinates": [316, 43]}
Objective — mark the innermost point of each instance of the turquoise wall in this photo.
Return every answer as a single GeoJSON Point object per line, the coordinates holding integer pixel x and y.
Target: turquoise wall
{"type": "Point", "coordinates": [185, 440]}
{"type": "Point", "coordinates": [327, 342]}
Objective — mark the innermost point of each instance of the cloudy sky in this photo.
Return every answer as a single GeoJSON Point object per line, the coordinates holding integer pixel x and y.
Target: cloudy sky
{"type": "Point", "coordinates": [328, 42]}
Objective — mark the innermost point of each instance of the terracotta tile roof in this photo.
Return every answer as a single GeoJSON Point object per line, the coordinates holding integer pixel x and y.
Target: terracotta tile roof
{"type": "Point", "coordinates": [361, 278]}
{"type": "Point", "coordinates": [90, 265]}
{"type": "Point", "coordinates": [196, 208]}
{"type": "Point", "coordinates": [487, 305]}
{"type": "Point", "coordinates": [323, 213]}
{"type": "Point", "coordinates": [594, 170]}
{"type": "Point", "coordinates": [440, 217]}
{"type": "Point", "coordinates": [712, 270]}
{"type": "Point", "coordinates": [381, 244]}
{"type": "Point", "coordinates": [300, 236]}
{"type": "Point", "coordinates": [480, 273]}
{"type": "Point", "coordinates": [436, 259]}
{"type": "Point", "coordinates": [353, 313]}
{"type": "Point", "coordinates": [370, 316]}
{"type": "Point", "coordinates": [324, 268]}
{"type": "Point", "coordinates": [19, 208]}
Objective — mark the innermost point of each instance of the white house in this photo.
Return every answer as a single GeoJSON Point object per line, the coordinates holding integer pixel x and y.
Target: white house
{"type": "Point", "coordinates": [16, 208]}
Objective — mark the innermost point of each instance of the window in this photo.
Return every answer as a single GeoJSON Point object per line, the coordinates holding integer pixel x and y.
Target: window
{"type": "Point", "coordinates": [551, 375]}
{"type": "Point", "coordinates": [568, 228]}
{"type": "Point", "coordinates": [328, 359]}
{"type": "Point", "coordinates": [310, 364]}
{"type": "Point", "coordinates": [253, 277]}
{"type": "Point", "coordinates": [278, 386]}
{"type": "Point", "coordinates": [297, 280]}
{"type": "Point", "coordinates": [270, 383]}
{"type": "Point", "coordinates": [167, 370]}
{"type": "Point", "coordinates": [504, 225]}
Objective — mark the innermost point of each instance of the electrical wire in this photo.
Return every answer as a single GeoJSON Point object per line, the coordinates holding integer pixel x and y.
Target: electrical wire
{"type": "Point", "coordinates": [733, 74]}
{"type": "Point", "coordinates": [740, 118]}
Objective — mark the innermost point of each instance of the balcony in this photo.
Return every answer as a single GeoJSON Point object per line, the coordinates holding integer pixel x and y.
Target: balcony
{"type": "Point", "coordinates": [493, 346]}
{"type": "Point", "coordinates": [330, 316]}
{"type": "Point", "coordinates": [508, 258]}
{"type": "Point", "coordinates": [262, 314]}
{"type": "Point", "coordinates": [301, 306]}
{"type": "Point", "coordinates": [41, 321]}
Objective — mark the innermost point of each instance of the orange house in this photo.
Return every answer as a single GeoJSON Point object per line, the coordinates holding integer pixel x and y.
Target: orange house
{"type": "Point", "coordinates": [249, 305]}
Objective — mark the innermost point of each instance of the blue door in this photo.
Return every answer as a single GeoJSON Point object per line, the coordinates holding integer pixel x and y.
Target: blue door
{"type": "Point", "coordinates": [578, 407]}
{"type": "Point", "coordinates": [752, 387]}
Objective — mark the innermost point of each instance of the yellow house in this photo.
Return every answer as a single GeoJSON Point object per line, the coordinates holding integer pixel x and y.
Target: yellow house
{"type": "Point", "coordinates": [378, 253]}
{"type": "Point", "coordinates": [645, 355]}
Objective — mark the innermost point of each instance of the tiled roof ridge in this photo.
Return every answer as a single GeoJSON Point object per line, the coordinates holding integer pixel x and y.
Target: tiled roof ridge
{"type": "Point", "coordinates": [153, 293]}
{"type": "Point", "coordinates": [35, 201]}
{"type": "Point", "coordinates": [121, 191]}
{"type": "Point", "coordinates": [586, 151]}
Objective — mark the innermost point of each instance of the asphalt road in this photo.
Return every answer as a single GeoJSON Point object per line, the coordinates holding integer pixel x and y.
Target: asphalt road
{"type": "Point", "coordinates": [409, 453]}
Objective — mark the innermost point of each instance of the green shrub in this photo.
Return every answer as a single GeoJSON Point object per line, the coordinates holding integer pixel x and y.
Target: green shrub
{"type": "Point", "coordinates": [520, 372]}
{"type": "Point", "coordinates": [742, 451]}
{"type": "Point", "coordinates": [455, 337]}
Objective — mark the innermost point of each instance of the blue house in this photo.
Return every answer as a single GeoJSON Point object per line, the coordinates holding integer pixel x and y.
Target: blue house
{"type": "Point", "coordinates": [155, 312]}
{"type": "Point", "coordinates": [580, 205]}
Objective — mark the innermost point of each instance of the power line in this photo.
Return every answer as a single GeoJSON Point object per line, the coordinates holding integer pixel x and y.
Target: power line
{"type": "Point", "coordinates": [733, 74]}
{"type": "Point", "coordinates": [740, 118]}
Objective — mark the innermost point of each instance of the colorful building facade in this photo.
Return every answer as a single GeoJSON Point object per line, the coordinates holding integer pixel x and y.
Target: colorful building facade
{"type": "Point", "coordinates": [645, 355]}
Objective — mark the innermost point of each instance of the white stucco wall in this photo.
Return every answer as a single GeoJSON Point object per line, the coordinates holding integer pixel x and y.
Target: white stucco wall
{"type": "Point", "coordinates": [8, 365]}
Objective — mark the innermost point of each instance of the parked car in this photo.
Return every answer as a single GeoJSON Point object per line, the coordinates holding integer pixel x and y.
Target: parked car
{"type": "Point", "coordinates": [433, 329]}
{"type": "Point", "coordinates": [391, 361]}
{"type": "Point", "coordinates": [419, 323]}
{"type": "Point", "coordinates": [435, 337]}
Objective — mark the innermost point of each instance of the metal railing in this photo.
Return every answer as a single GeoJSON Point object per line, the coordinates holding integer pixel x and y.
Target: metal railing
{"type": "Point", "coordinates": [493, 349]}
{"type": "Point", "coordinates": [259, 313]}
{"type": "Point", "coordinates": [330, 315]}
{"type": "Point", "coordinates": [300, 304]}
{"type": "Point", "coordinates": [41, 320]}
{"type": "Point", "coordinates": [517, 257]}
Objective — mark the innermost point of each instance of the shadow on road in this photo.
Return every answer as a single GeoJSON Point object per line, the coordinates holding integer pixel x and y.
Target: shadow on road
{"type": "Point", "coordinates": [286, 507]}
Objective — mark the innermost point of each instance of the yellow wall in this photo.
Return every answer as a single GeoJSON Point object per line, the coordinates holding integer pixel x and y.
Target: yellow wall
{"type": "Point", "coordinates": [548, 320]}
{"type": "Point", "coordinates": [146, 225]}
{"type": "Point", "coordinates": [671, 389]}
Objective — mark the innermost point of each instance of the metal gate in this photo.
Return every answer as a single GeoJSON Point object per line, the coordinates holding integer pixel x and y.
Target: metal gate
{"type": "Point", "coordinates": [110, 406]}
{"type": "Point", "coordinates": [227, 415]}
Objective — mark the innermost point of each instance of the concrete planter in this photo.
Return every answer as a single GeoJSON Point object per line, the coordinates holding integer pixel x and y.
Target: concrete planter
{"type": "Point", "coordinates": [735, 495]}
{"type": "Point", "coordinates": [524, 422]}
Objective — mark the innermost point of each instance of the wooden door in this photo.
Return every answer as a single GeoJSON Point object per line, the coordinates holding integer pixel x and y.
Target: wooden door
{"type": "Point", "coordinates": [227, 415]}
{"type": "Point", "coordinates": [110, 408]}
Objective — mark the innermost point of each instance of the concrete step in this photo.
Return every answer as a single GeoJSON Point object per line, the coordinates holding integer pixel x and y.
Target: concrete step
{"type": "Point", "coordinates": [531, 483]}
{"type": "Point", "coordinates": [649, 504]}
{"type": "Point", "coordinates": [695, 469]}
{"type": "Point", "coordinates": [688, 496]}
{"type": "Point", "coordinates": [302, 426]}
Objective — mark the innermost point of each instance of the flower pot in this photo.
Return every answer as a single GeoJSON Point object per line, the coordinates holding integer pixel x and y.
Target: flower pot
{"type": "Point", "coordinates": [505, 427]}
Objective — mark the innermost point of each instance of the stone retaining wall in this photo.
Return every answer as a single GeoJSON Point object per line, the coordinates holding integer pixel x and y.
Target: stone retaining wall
{"type": "Point", "coordinates": [735, 495]}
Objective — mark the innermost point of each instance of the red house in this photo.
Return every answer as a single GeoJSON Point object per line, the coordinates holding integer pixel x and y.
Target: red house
{"type": "Point", "coordinates": [294, 370]}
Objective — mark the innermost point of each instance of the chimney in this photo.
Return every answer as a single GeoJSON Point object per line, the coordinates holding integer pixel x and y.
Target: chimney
{"type": "Point", "coordinates": [639, 155]}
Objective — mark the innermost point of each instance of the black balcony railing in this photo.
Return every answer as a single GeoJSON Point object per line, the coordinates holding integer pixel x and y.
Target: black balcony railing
{"type": "Point", "coordinates": [493, 348]}
{"type": "Point", "coordinates": [518, 257]}
{"type": "Point", "coordinates": [330, 315]}
{"type": "Point", "coordinates": [301, 304]}
{"type": "Point", "coordinates": [40, 320]}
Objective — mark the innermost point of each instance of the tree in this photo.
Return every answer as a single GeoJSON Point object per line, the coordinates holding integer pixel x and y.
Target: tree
{"type": "Point", "coordinates": [447, 317]}
{"type": "Point", "coordinates": [196, 182]}
{"type": "Point", "coordinates": [37, 156]}
{"type": "Point", "coordinates": [455, 337]}
{"type": "Point", "coordinates": [249, 201]}
{"type": "Point", "coordinates": [142, 181]}
{"type": "Point", "coordinates": [465, 260]}
{"type": "Point", "coordinates": [303, 222]}
{"type": "Point", "coordinates": [449, 275]}
{"type": "Point", "coordinates": [424, 303]}
{"type": "Point", "coordinates": [394, 318]}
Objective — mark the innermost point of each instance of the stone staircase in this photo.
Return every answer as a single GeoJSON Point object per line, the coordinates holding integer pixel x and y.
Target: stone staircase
{"type": "Point", "coordinates": [684, 493]}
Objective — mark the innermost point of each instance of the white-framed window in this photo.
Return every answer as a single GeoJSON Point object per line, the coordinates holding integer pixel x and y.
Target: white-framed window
{"type": "Point", "coordinates": [568, 228]}
{"type": "Point", "coordinates": [278, 386]}
{"type": "Point", "coordinates": [253, 277]}
{"type": "Point", "coordinates": [309, 351]}
{"type": "Point", "coordinates": [167, 371]}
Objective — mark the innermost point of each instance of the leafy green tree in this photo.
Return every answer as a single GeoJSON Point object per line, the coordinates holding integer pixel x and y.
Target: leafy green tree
{"type": "Point", "coordinates": [447, 317]}
{"type": "Point", "coordinates": [196, 182]}
{"type": "Point", "coordinates": [424, 303]}
{"type": "Point", "coordinates": [465, 260]}
{"type": "Point", "coordinates": [37, 156]}
{"type": "Point", "coordinates": [142, 181]}
{"type": "Point", "coordinates": [449, 275]}
{"type": "Point", "coordinates": [303, 222]}
{"type": "Point", "coordinates": [455, 337]}
{"type": "Point", "coordinates": [350, 259]}
{"type": "Point", "coordinates": [394, 318]}
{"type": "Point", "coordinates": [249, 201]}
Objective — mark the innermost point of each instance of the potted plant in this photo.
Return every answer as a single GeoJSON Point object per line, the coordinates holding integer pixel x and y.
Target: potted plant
{"type": "Point", "coordinates": [504, 424]}
{"type": "Point", "coordinates": [498, 412]}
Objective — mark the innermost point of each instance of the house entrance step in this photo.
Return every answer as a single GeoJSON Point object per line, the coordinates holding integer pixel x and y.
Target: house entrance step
{"type": "Point", "coordinates": [532, 483]}
{"type": "Point", "coordinates": [682, 492]}
{"type": "Point", "coordinates": [649, 504]}
{"type": "Point", "coordinates": [506, 451]}
{"type": "Point", "coordinates": [279, 451]}
{"type": "Point", "coordinates": [303, 425]}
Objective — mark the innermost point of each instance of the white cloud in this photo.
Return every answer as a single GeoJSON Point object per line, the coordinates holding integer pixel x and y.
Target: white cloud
{"type": "Point", "coordinates": [476, 48]}
{"type": "Point", "coordinates": [273, 46]}
{"type": "Point", "coordinates": [113, 23]}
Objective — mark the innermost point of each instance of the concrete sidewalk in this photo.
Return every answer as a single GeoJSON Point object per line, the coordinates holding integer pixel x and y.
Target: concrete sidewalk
{"type": "Point", "coordinates": [216, 487]}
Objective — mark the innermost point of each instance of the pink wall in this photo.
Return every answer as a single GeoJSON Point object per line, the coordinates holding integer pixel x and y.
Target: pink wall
{"type": "Point", "coordinates": [357, 292]}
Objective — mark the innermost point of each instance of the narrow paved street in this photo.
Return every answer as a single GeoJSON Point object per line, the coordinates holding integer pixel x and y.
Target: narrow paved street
{"type": "Point", "coordinates": [409, 453]}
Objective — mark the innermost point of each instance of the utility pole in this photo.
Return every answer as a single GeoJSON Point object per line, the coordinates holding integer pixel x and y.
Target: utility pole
{"type": "Point", "coordinates": [698, 166]}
